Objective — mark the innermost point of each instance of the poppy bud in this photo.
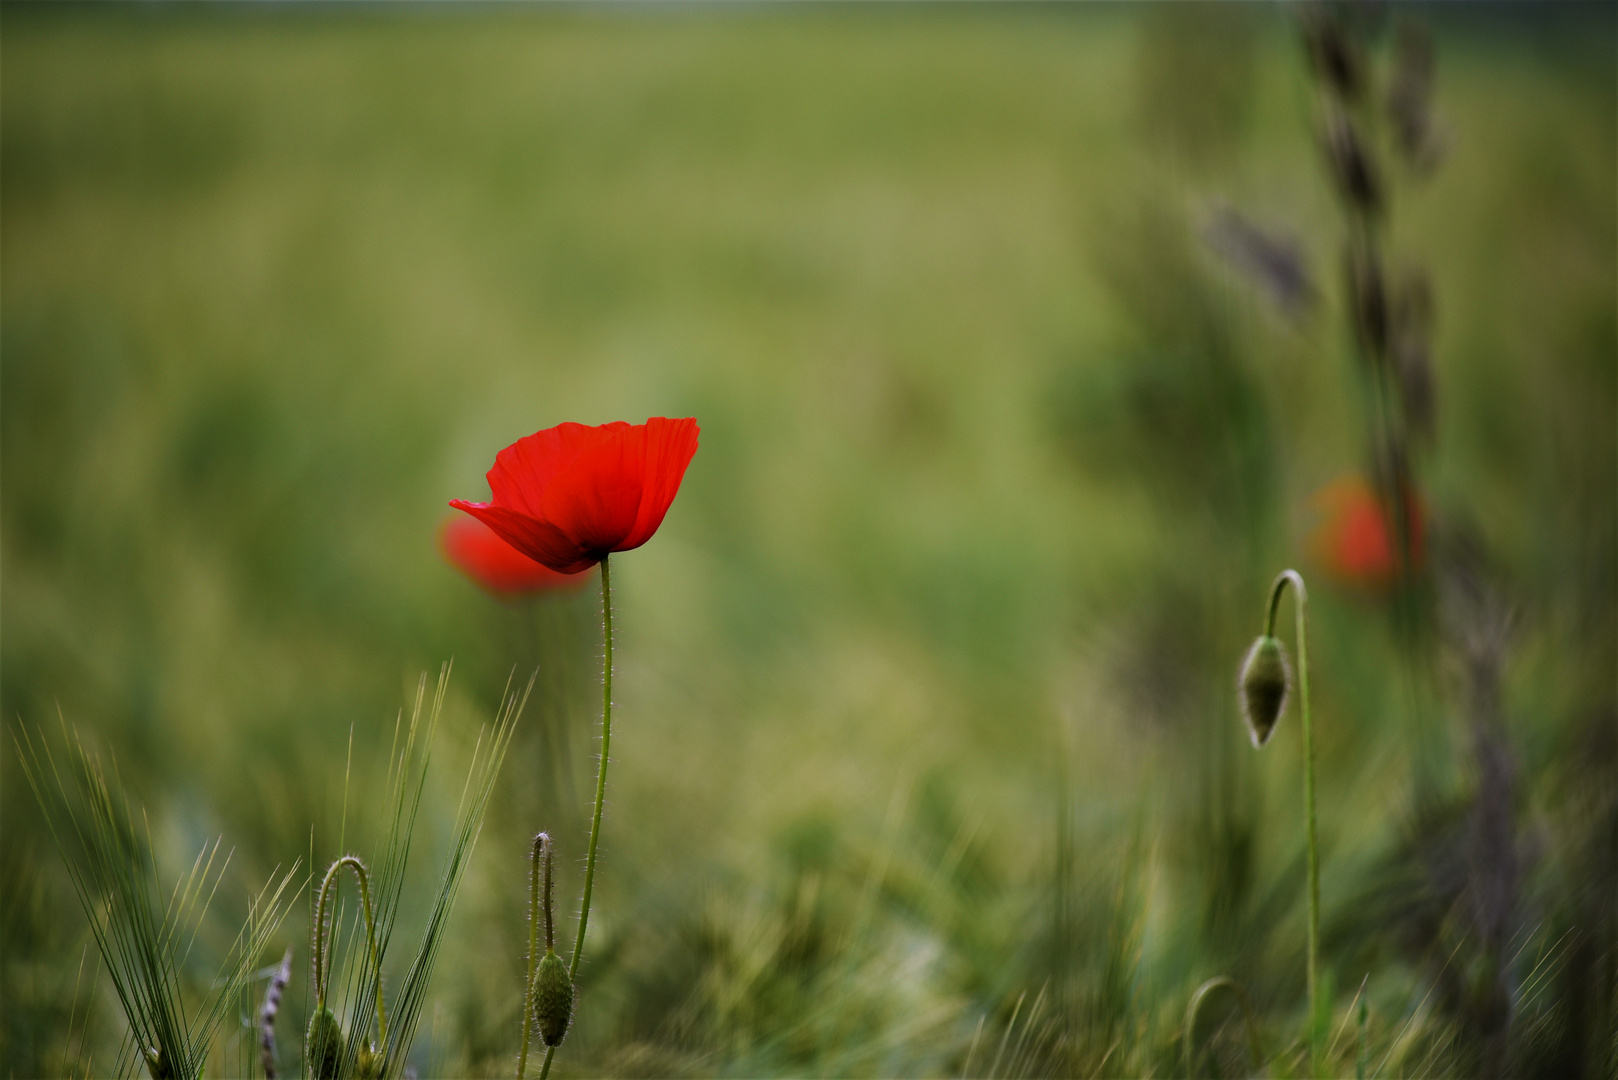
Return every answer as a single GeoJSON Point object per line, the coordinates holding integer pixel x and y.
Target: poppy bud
{"type": "Point", "coordinates": [1265, 680]}
{"type": "Point", "coordinates": [553, 999]}
{"type": "Point", "coordinates": [323, 1045]}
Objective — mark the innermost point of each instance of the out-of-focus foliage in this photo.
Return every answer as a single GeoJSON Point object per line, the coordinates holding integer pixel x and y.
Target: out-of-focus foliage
{"type": "Point", "coordinates": [927, 751]}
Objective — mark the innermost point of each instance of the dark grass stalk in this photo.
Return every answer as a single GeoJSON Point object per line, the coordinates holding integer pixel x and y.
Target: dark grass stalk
{"type": "Point", "coordinates": [269, 1012]}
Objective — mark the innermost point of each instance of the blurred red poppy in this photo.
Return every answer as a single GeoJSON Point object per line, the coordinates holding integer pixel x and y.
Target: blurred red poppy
{"type": "Point", "coordinates": [476, 551]}
{"type": "Point", "coordinates": [570, 495]}
{"type": "Point", "coordinates": [1355, 541]}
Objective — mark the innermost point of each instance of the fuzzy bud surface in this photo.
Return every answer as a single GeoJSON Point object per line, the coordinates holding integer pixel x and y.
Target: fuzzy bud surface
{"type": "Point", "coordinates": [553, 999]}
{"type": "Point", "coordinates": [1265, 680]}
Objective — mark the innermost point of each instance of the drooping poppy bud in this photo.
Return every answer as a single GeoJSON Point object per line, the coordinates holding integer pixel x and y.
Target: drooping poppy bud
{"type": "Point", "coordinates": [1265, 680]}
{"type": "Point", "coordinates": [323, 1045]}
{"type": "Point", "coordinates": [553, 999]}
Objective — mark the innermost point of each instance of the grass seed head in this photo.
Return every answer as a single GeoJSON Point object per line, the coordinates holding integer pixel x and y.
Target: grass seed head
{"type": "Point", "coordinates": [157, 1063]}
{"type": "Point", "coordinates": [1334, 56]}
{"type": "Point", "coordinates": [368, 1064]}
{"type": "Point", "coordinates": [1352, 167]}
{"type": "Point", "coordinates": [1265, 681]}
{"type": "Point", "coordinates": [1368, 301]}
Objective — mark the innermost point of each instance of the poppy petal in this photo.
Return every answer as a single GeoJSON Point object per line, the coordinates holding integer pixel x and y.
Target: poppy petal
{"type": "Point", "coordinates": [479, 553]}
{"type": "Point", "coordinates": [670, 445]}
{"type": "Point", "coordinates": [522, 470]}
{"type": "Point", "coordinates": [595, 497]}
{"type": "Point", "coordinates": [537, 539]}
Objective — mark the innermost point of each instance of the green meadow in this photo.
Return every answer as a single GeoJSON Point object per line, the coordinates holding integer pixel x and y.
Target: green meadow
{"type": "Point", "coordinates": [927, 757]}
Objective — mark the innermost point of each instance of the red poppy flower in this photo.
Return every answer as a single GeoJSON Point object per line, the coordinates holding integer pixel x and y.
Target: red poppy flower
{"type": "Point", "coordinates": [570, 495]}
{"type": "Point", "coordinates": [1355, 541]}
{"type": "Point", "coordinates": [475, 550]}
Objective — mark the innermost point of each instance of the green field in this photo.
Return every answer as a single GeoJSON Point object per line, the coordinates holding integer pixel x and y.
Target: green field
{"type": "Point", "coordinates": [927, 757]}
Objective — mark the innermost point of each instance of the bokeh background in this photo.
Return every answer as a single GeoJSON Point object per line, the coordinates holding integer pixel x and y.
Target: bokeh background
{"type": "Point", "coordinates": [927, 754]}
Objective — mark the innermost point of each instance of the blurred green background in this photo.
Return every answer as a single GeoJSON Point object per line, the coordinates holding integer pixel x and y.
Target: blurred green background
{"type": "Point", "coordinates": [928, 758]}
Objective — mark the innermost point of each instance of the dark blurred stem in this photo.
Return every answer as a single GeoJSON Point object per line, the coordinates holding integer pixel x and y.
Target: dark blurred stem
{"type": "Point", "coordinates": [601, 783]}
{"type": "Point", "coordinates": [1300, 606]}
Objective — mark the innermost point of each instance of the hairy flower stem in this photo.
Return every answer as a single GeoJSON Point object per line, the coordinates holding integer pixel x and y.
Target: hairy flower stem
{"type": "Point", "coordinates": [1301, 608]}
{"type": "Point", "coordinates": [541, 853]}
{"type": "Point", "coordinates": [601, 784]}
{"type": "Point", "coordinates": [322, 973]}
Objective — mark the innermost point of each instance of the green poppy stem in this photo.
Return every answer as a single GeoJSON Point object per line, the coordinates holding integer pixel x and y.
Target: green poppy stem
{"type": "Point", "coordinates": [1301, 609]}
{"type": "Point", "coordinates": [601, 784]}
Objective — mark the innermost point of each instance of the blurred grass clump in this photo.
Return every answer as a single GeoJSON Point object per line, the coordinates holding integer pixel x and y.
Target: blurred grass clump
{"type": "Point", "coordinates": [929, 760]}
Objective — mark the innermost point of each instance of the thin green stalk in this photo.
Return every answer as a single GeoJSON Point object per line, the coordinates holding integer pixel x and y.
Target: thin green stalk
{"type": "Point", "coordinates": [601, 785]}
{"type": "Point", "coordinates": [1360, 1058]}
{"type": "Point", "coordinates": [541, 852]}
{"type": "Point", "coordinates": [1301, 609]}
{"type": "Point", "coordinates": [601, 771]}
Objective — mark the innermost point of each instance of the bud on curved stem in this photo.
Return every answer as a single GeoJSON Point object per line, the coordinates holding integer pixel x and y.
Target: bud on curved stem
{"type": "Point", "coordinates": [323, 1043]}
{"type": "Point", "coordinates": [1265, 682]}
{"type": "Point", "coordinates": [1219, 982]}
{"type": "Point", "coordinates": [1259, 676]}
{"type": "Point", "coordinates": [542, 854]}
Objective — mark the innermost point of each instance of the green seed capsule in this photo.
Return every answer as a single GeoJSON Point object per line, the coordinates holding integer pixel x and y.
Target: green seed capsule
{"type": "Point", "coordinates": [1265, 681]}
{"type": "Point", "coordinates": [323, 1045]}
{"type": "Point", "coordinates": [553, 999]}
